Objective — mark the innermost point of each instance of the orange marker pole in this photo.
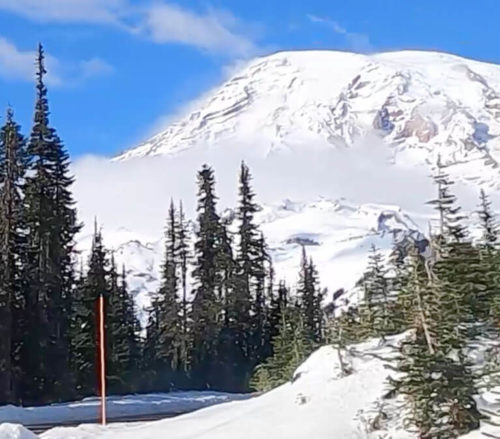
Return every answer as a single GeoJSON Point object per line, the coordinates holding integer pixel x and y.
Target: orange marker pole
{"type": "Point", "coordinates": [102, 356]}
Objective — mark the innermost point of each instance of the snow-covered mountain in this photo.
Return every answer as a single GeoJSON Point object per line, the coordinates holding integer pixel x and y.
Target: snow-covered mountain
{"type": "Point", "coordinates": [424, 102]}
{"type": "Point", "coordinates": [350, 138]}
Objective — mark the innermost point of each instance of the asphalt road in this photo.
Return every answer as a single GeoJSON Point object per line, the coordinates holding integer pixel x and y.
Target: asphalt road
{"type": "Point", "coordinates": [40, 428]}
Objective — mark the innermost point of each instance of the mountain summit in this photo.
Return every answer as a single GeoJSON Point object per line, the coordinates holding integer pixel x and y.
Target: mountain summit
{"type": "Point", "coordinates": [421, 103]}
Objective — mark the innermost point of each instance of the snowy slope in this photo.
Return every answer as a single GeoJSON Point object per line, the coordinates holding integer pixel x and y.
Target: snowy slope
{"type": "Point", "coordinates": [320, 402]}
{"type": "Point", "coordinates": [345, 136]}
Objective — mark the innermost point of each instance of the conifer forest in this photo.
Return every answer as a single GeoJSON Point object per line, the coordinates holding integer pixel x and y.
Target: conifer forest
{"type": "Point", "coordinates": [221, 319]}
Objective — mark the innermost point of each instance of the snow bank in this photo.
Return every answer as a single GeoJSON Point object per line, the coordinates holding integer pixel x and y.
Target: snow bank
{"type": "Point", "coordinates": [13, 431]}
{"type": "Point", "coordinates": [320, 403]}
{"type": "Point", "coordinates": [117, 407]}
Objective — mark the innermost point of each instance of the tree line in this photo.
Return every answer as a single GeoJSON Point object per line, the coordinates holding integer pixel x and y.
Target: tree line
{"type": "Point", "coordinates": [211, 327]}
{"type": "Point", "coordinates": [216, 316]}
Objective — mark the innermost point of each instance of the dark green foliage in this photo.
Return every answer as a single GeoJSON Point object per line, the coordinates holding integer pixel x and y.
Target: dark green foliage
{"type": "Point", "coordinates": [206, 307]}
{"type": "Point", "coordinates": [169, 313]}
{"type": "Point", "coordinates": [441, 307]}
{"type": "Point", "coordinates": [291, 346]}
{"type": "Point", "coordinates": [12, 159]}
{"type": "Point", "coordinates": [451, 227]}
{"type": "Point", "coordinates": [122, 334]}
{"type": "Point", "coordinates": [378, 300]}
{"type": "Point", "coordinates": [83, 333]}
{"type": "Point", "coordinates": [488, 222]}
{"type": "Point", "coordinates": [439, 389]}
{"type": "Point", "coordinates": [183, 255]}
{"type": "Point", "coordinates": [310, 299]}
{"type": "Point", "coordinates": [50, 224]}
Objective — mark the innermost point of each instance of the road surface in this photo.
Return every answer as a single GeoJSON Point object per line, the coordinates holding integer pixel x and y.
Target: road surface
{"type": "Point", "coordinates": [40, 428]}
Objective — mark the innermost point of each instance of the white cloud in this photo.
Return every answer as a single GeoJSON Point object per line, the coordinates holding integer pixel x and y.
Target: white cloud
{"type": "Point", "coordinates": [19, 65]}
{"type": "Point", "coordinates": [214, 30]}
{"type": "Point", "coordinates": [359, 42]}
{"type": "Point", "coordinates": [95, 11]}
{"type": "Point", "coordinates": [95, 67]}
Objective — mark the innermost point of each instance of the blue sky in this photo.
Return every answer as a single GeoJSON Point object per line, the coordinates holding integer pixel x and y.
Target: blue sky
{"type": "Point", "coordinates": [120, 67]}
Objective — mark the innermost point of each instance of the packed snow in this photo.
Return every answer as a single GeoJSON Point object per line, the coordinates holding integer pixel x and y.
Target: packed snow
{"type": "Point", "coordinates": [14, 431]}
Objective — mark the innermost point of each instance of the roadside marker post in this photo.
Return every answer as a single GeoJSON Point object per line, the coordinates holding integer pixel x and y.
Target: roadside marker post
{"type": "Point", "coordinates": [102, 358]}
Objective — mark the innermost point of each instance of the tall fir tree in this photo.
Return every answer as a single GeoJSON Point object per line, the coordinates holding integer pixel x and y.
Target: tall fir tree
{"type": "Point", "coordinates": [279, 304]}
{"type": "Point", "coordinates": [83, 330]}
{"type": "Point", "coordinates": [490, 259]}
{"type": "Point", "coordinates": [377, 294]}
{"type": "Point", "coordinates": [206, 308]}
{"type": "Point", "coordinates": [12, 158]}
{"type": "Point", "coordinates": [51, 225]}
{"type": "Point", "coordinates": [488, 222]}
{"type": "Point", "coordinates": [121, 327]}
{"type": "Point", "coordinates": [259, 308]}
{"type": "Point", "coordinates": [169, 315]}
{"type": "Point", "coordinates": [310, 298]}
{"type": "Point", "coordinates": [247, 259]}
{"type": "Point", "coordinates": [457, 262]}
{"type": "Point", "coordinates": [183, 252]}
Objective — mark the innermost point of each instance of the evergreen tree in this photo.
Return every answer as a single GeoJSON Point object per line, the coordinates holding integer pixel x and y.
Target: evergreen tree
{"type": "Point", "coordinates": [490, 259]}
{"type": "Point", "coordinates": [278, 306]}
{"type": "Point", "coordinates": [291, 347]}
{"type": "Point", "coordinates": [121, 327]}
{"type": "Point", "coordinates": [377, 294]}
{"type": "Point", "coordinates": [248, 246]}
{"type": "Point", "coordinates": [50, 224]}
{"type": "Point", "coordinates": [451, 228]}
{"type": "Point", "coordinates": [206, 307]}
{"type": "Point", "coordinates": [12, 158]}
{"type": "Point", "coordinates": [84, 327]}
{"type": "Point", "coordinates": [457, 262]}
{"type": "Point", "coordinates": [488, 222]}
{"type": "Point", "coordinates": [259, 310]}
{"type": "Point", "coordinates": [310, 298]}
{"type": "Point", "coordinates": [245, 294]}
{"type": "Point", "coordinates": [170, 320]}
{"type": "Point", "coordinates": [437, 379]}
{"type": "Point", "coordinates": [183, 258]}
{"type": "Point", "coordinates": [150, 364]}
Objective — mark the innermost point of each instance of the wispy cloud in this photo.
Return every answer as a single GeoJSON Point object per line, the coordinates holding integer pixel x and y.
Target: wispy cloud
{"type": "Point", "coordinates": [213, 30]}
{"type": "Point", "coordinates": [93, 11]}
{"type": "Point", "coordinates": [19, 65]}
{"type": "Point", "coordinates": [359, 42]}
{"type": "Point", "coordinates": [94, 67]}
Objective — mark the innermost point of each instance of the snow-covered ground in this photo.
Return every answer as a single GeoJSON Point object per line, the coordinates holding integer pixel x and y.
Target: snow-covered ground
{"type": "Point", "coordinates": [117, 407]}
{"type": "Point", "coordinates": [320, 402]}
